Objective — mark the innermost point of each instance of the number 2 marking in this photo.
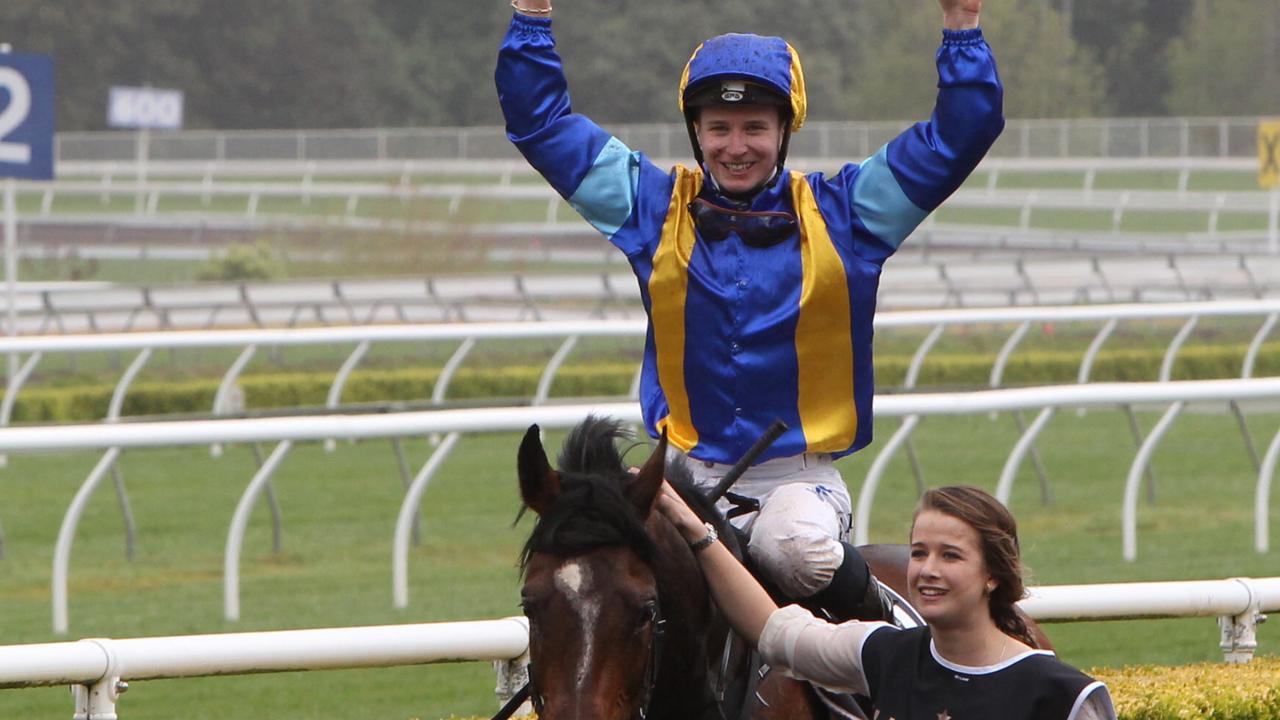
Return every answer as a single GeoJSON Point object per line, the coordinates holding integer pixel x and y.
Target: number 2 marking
{"type": "Point", "coordinates": [14, 115]}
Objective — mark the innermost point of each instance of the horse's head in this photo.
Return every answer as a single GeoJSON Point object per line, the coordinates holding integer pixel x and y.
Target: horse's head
{"type": "Point", "coordinates": [611, 590]}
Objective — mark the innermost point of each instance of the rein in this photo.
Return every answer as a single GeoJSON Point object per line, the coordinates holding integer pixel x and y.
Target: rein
{"type": "Point", "coordinates": [655, 653]}
{"type": "Point", "coordinates": [514, 703]}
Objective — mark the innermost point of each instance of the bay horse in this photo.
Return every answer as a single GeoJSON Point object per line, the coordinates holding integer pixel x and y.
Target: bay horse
{"type": "Point", "coordinates": [621, 621]}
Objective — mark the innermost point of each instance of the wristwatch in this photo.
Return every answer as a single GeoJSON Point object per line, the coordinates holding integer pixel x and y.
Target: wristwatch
{"type": "Point", "coordinates": [707, 540]}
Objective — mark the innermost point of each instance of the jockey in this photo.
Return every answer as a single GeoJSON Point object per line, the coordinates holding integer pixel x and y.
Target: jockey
{"type": "Point", "coordinates": [759, 281]}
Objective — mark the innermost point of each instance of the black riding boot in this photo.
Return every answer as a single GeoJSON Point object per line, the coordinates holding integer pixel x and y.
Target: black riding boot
{"type": "Point", "coordinates": [852, 594]}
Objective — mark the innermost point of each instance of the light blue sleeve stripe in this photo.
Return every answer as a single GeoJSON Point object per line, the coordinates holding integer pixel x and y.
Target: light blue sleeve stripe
{"type": "Point", "coordinates": [607, 193]}
{"type": "Point", "coordinates": [880, 203]}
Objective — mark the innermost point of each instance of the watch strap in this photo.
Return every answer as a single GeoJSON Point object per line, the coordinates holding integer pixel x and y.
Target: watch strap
{"type": "Point", "coordinates": [707, 540]}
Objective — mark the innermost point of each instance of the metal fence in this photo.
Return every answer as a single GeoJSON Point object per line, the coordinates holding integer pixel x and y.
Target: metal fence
{"type": "Point", "coordinates": [1077, 137]}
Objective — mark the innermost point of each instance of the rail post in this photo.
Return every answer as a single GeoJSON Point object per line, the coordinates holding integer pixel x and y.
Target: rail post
{"type": "Point", "coordinates": [1240, 632]}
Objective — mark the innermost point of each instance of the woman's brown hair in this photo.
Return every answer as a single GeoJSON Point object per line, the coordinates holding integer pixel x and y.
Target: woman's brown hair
{"type": "Point", "coordinates": [998, 533]}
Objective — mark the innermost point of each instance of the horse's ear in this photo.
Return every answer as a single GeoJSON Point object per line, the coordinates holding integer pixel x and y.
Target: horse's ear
{"type": "Point", "coordinates": [539, 484]}
{"type": "Point", "coordinates": [643, 490]}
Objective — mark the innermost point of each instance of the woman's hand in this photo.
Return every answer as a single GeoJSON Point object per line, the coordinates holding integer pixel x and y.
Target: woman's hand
{"type": "Point", "coordinates": [671, 505]}
{"type": "Point", "coordinates": [746, 605]}
{"type": "Point", "coordinates": [960, 14]}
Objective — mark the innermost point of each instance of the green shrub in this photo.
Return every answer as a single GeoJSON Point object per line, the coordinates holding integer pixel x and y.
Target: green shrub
{"type": "Point", "coordinates": [241, 261]}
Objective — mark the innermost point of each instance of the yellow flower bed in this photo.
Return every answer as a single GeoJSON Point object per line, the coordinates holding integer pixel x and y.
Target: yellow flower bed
{"type": "Point", "coordinates": [1206, 690]}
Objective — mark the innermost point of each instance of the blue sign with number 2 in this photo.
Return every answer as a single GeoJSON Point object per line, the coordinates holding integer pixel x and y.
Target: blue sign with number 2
{"type": "Point", "coordinates": [26, 116]}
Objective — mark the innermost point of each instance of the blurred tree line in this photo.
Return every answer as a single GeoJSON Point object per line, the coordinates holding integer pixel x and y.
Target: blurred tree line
{"type": "Point", "coordinates": [395, 63]}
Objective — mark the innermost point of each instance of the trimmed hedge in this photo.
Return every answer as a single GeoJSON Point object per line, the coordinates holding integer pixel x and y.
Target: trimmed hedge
{"type": "Point", "coordinates": [288, 390]}
{"type": "Point", "coordinates": [1053, 367]}
{"type": "Point", "coordinates": [301, 389]}
{"type": "Point", "coordinates": [1206, 690]}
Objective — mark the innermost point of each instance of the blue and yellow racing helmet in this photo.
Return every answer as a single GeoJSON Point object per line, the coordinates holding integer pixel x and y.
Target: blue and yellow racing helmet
{"type": "Point", "coordinates": [744, 69]}
{"type": "Point", "coordinates": [740, 68]}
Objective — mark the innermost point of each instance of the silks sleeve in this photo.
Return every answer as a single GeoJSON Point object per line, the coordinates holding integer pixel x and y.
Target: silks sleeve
{"type": "Point", "coordinates": [591, 169]}
{"type": "Point", "coordinates": [897, 187]}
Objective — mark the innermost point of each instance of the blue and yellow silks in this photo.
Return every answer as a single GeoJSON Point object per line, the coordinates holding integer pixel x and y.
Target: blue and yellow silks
{"type": "Point", "coordinates": [828, 417]}
{"type": "Point", "coordinates": [738, 335]}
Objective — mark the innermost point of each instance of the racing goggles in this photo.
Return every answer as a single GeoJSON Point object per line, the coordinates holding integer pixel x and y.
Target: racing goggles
{"type": "Point", "coordinates": [757, 229]}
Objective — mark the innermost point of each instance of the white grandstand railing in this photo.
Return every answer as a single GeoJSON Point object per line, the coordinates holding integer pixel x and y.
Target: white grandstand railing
{"type": "Point", "coordinates": [113, 438]}
{"type": "Point", "coordinates": [99, 669]}
{"type": "Point", "coordinates": [147, 194]}
{"type": "Point", "coordinates": [1154, 138]}
{"type": "Point", "coordinates": [912, 280]}
{"type": "Point", "coordinates": [104, 307]}
{"type": "Point", "coordinates": [407, 172]}
{"type": "Point", "coordinates": [251, 194]}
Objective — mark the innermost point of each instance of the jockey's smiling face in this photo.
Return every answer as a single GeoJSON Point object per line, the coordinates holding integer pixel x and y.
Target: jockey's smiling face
{"type": "Point", "coordinates": [739, 144]}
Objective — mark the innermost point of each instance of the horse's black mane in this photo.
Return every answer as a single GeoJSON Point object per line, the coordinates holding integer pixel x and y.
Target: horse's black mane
{"type": "Point", "coordinates": [592, 511]}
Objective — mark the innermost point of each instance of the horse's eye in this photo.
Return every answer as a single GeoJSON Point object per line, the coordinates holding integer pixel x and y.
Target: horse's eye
{"type": "Point", "coordinates": [648, 613]}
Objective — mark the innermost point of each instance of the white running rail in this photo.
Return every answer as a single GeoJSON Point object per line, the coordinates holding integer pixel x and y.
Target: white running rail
{"type": "Point", "coordinates": [98, 669]}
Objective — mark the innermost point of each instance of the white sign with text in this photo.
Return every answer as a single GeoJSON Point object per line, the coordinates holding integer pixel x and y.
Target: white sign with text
{"type": "Point", "coordinates": [145, 107]}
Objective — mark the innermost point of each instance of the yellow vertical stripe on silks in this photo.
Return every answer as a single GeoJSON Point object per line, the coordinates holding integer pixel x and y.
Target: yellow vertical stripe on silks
{"type": "Point", "coordinates": [668, 290]}
{"type": "Point", "coordinates": [824, 344]}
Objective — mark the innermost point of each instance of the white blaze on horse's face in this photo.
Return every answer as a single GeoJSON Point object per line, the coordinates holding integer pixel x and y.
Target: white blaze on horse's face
{"type": "Point", "coordinates": [573, 579]}
{"type": "Point", "coordinates": [569, 579]}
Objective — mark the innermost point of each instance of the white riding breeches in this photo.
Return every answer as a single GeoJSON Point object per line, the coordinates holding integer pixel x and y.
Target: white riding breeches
{"type": "Point", "coordinates": [805, 513]}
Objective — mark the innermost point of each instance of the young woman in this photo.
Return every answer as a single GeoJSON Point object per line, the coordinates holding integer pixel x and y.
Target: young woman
{"type": "Point", "coordinates": [975, 658]}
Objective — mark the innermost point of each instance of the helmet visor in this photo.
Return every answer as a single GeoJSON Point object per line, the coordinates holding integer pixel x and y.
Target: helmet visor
{"type": "Point", "coordinates": [733, 91]}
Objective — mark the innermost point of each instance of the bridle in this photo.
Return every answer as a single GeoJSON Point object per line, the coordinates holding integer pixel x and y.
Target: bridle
{"type": "Point", "coordinates": [656, 637]}
{"type": "Point", "coordinates": [530, 692]}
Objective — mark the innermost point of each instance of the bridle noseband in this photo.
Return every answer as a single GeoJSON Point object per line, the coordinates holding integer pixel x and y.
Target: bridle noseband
{"type": "Point", "coordinates": [530, 692]}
